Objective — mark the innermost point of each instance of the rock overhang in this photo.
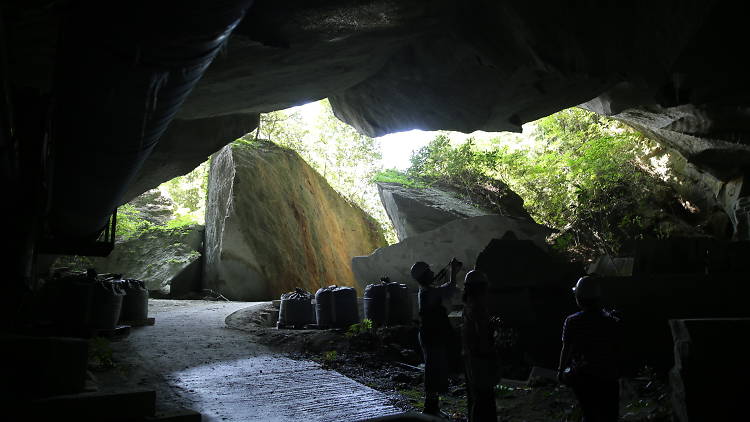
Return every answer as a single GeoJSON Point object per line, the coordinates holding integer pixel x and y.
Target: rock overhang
{"type": "Point", "coordinates": [389, 66]}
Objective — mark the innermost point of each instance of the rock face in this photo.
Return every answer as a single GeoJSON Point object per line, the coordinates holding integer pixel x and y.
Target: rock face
{"type": "Point", "coordinates": [464, 239]}
{"type": "Point", "coordinates": [714, 160]}
{"type": "Point", "coordinates": [168, 260]}
{"type": "Point", "coordinates": [273, 224]}
{"type": "Point", "coordinates": [187, 143]}
{"type": "Point", "coordinates": [153, 207]}
{"type": "Point", "coordinates": [389, 66]}
{"type": "Point", "coordinates": [413, 211]}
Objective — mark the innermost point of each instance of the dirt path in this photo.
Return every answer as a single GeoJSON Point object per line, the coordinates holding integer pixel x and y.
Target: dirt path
{"type": "Point", "coordinates": [194, 361]}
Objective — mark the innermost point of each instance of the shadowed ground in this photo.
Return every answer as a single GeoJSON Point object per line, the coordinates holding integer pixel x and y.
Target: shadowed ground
{"type": "Point", "coordinates": [194, 361]}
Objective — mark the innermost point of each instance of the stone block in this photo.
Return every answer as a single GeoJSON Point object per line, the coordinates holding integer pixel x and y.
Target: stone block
{"type": "Point", "coordinates": [647, 303]}
{"type": "Point", "coordinates": [671, 256]}
{"type": "Point", "coordinates": [182, 415]}
{"type": "Point", "coordinates": [34, 367]}
{"type": "Point", "coordinates": [710, 373]}
{"type": "Point", "coordinates": [463, 239]}
{"type": "Point", "coordinates": [94, 407]}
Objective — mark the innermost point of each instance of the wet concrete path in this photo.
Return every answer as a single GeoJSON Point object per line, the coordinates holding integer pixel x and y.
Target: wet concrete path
{"type": "Point", "coordinates": [194, 361]}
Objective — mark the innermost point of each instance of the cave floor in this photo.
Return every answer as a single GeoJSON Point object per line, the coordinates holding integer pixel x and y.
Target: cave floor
{"type": "Point", "coordinates": [193, 361]}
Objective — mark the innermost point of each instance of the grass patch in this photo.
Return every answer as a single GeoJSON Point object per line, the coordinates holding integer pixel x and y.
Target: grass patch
{"type": "Point", "coordinates": [330, 359]}
{"type": "Point", "coordinates": [396, 176]}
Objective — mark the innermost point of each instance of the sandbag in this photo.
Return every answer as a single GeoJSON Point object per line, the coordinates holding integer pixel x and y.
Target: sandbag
{"type": "Point", "coordinates": [336, 307]}
{"type": "Point", "coordinates": [296, 309]}
{"type": "Point", "coordinates": [135, 302]}
{"type": "Point", "coordinates": [387, 303]}
{"type": "Point", "coordinates": [106, 304]}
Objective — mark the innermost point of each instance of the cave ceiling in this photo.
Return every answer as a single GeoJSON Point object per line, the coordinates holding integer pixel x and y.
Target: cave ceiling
{"type": "Point", "coordinates": [673, 69]}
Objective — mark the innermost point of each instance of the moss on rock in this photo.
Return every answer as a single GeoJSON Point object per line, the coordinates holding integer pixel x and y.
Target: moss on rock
{"type": "Point", "coordinates": [273, 224]}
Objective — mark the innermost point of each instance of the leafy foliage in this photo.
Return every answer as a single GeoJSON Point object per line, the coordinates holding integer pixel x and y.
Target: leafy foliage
{"type": "Point", "coordinates": [396, 176]}
{"type": "Point", "coordinates": [330, 359]}
{"type": "Point", "coordinates": [347, 159]}
{"type": "Point", "coordinates": [581, 175]}
{"type": "Point", "coordinates": [129, 222]}
{"type": "Point", "coordinates": [188, 192]}
{"type": "Point", "coordinates": [586, 180]}
{"type": "Point", "coordinates": [179, 222]}
{"type": "Point", "coordinates": [466, 169]}
{"type": "Point", "coordinates": [459, 166]}
{"type": "Point", "coordinates": [364, 327]}
{"type": "Point", "coordinates": [131, 225]}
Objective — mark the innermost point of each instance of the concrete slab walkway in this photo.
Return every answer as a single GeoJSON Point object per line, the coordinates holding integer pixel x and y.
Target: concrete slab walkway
{"type": "Point", "coordinates": [194, 361]}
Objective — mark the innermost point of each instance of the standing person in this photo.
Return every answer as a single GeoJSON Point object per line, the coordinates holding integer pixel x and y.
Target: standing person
{"type": "Point", "coordinates": [478, 350]}
{"type": "Point", "coordinates": [434, 331]}
{"type": "Point", "coordinates": [589, 359]}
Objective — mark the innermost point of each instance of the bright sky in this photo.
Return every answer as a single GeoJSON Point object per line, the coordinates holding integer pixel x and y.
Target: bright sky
{"type": "Point", "coordinates": [397, 147]}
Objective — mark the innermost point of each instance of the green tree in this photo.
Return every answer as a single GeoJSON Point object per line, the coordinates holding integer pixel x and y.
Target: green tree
{"type": "Point", "coordinates": [347, 159]}
{"type": "Point", "coordinates": [188, 192]}
{"type": "Point", "coordinates": [580, 174]}
{"type": "Point", "coordinates": [129, 222]}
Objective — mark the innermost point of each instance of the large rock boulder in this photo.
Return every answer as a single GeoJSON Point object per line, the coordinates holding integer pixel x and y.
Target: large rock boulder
{"type": "Point", "coordinates": [418, 210]}
{"type": "Point", "coordinates": [168, 260]}
{"type": "Point", "coordinates": [464, 239]}
{"type": "Point", "coordinates": [273, 224]}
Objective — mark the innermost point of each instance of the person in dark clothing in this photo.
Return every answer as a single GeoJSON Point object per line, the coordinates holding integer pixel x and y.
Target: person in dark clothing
{"type": "Point", "coordinates": [434, 330]}
{"type": "Point", "coordinates": [478, 350]}
{"type": "Point", "coordinates": [589, 359]}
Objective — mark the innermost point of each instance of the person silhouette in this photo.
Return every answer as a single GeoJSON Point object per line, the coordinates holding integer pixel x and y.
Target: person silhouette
{"type": "Point", "coordinates": [478, 350]}
{"type": "Point", "coordinates": [589, 359]}
{"type": "Point", "coordinates": [434, 330]}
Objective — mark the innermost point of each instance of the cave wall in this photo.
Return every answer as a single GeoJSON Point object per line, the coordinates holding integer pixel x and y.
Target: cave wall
{"type": "Point", "coordinates": [291, 52]}
{"type": "Point", "coordinates": [186, 144]}
{"type": "Point", "coordinates": [390, 66]}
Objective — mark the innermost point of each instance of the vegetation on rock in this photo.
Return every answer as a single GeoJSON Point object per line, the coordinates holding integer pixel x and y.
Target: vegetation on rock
{"type": "Point", "coordinates": [347, 159]}
{"type": "Point", "coordinates": [580, 173]}
{"type": "Point", "coordinates": [130, 225]}
{"type": "Point", "coordinates": [186, 199]}
{"type": "Point", "coordinates": [188, 193]}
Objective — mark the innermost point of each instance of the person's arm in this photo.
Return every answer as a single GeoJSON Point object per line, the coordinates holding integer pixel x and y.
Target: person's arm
{"type": "Point", "coordinates": [485, 336]}
{"type": "Point", "coordinates": [565, 352]}
{"type": "Point", "coordinates": [455, 268]}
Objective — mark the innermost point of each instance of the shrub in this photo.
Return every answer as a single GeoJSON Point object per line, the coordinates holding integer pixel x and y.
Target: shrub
{"type": "Point", "coordinates": [581, 175]}
{"type": "Point", "coordinates": [364, 327]}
